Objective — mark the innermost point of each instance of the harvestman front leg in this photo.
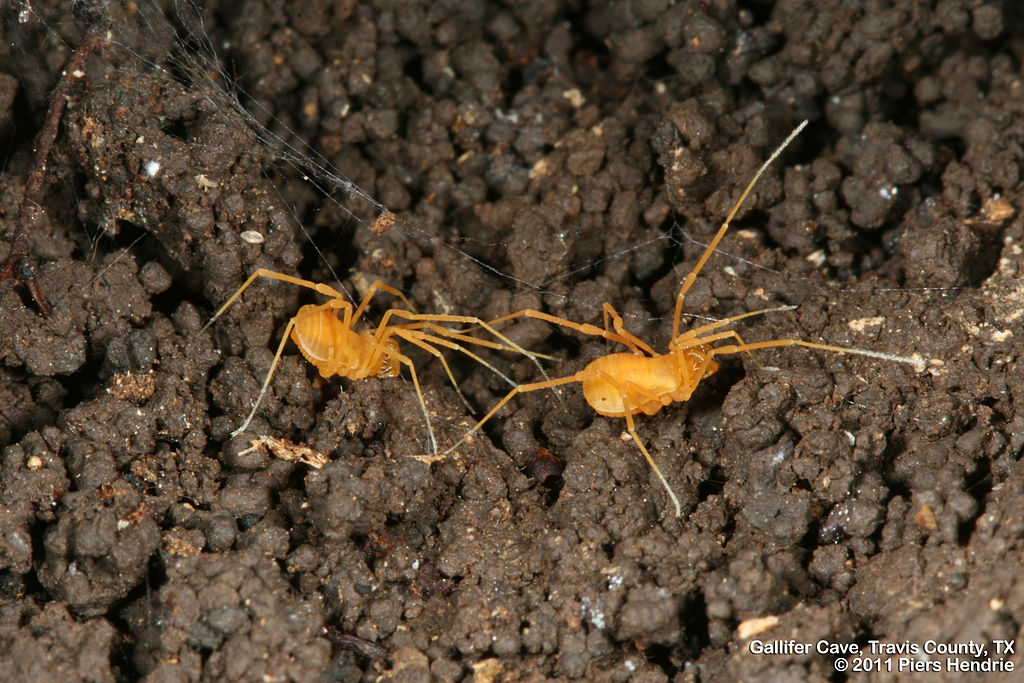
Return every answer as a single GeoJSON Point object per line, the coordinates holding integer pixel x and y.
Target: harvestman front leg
{"type": "Point", "coordinates": [425, 341]}
{"type": "Point", "coordinates": [631, 428]}
{"type": "Point", "coordinates": [691, 277]}
{"type": "Point", "coordinates": [379, 286]}
{"type": "Point", "coordinates": [637, 344]}
{"type": "Point", "coordinates": [273, 366]}
{"type": "Point", "coordinates": [582, 328]}
{"type": "Point", "coordinates": [691, 338]}
{"type": "Point", "coordinates": [520, 389]}
{"type": "Point", "coordinates": [430, 319]}
{"type": "Point", "coordinates": [419, 394]}
{"type": "Point", "coordinates": [263, 272]}
{"type": "Point", "coordinates": [629, 407]}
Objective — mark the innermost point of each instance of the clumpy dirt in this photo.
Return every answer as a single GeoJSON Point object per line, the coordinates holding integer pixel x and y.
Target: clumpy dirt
{"type": "Point", "coordinates": [547, 155]}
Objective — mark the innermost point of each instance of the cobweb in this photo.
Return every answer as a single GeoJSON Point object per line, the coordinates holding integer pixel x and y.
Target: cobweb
{"type": "Point", "coordinates": [172, 40]}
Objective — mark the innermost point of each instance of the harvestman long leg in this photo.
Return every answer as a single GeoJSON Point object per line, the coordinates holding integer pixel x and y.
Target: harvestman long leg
{"type": "Point", "coordinates": [691, 277]}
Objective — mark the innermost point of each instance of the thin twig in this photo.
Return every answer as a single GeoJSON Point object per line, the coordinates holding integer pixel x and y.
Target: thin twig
{"type": "Point", "coordinates": [19, 266]}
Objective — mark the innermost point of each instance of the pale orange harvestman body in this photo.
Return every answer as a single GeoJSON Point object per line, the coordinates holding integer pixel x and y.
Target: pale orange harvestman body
{"type": "Point", "coordinates": [333, 345]}
{"type": "Point", "coordinates": [644, 381]}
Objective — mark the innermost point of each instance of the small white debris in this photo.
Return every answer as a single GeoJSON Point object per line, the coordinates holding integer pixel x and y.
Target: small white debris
{"type": "Point", "coordinates": [861, 324]}
{"type": "Point", "coordinates": [287, 450]}
{"type": "Point", "coordinates": [781, 454]}
{"type": "Point", "coordinates": [753, 627]}
{"type": "Point", "coordinates": [596, 615]}
{"type": "Point", "coordinates": [575, 97]}
{"type": "Point", "coordinates": [507, 116]}
{"type": "Point", "coordinates": [615, 577]}
{"type": "Point", "coordinates": [995, 208]}
{"type": "Point", "coordinates": [151, 168]}
{"type": "Point", "coordinates": [540, 169]}
{"type": "Point", "coordinates": [817, 258]}
{"type": "Point", "coordinates": [252, 237]}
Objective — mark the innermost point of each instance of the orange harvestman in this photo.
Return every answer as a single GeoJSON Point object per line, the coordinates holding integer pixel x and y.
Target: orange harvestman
{"type": "Point", "coordinates": [643, 381]}
{"type": "Point", "coordinates": [333, 345]}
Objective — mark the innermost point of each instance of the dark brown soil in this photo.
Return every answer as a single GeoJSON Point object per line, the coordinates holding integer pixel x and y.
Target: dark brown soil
{"type": "Point", "coordinates": [550, 155]}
